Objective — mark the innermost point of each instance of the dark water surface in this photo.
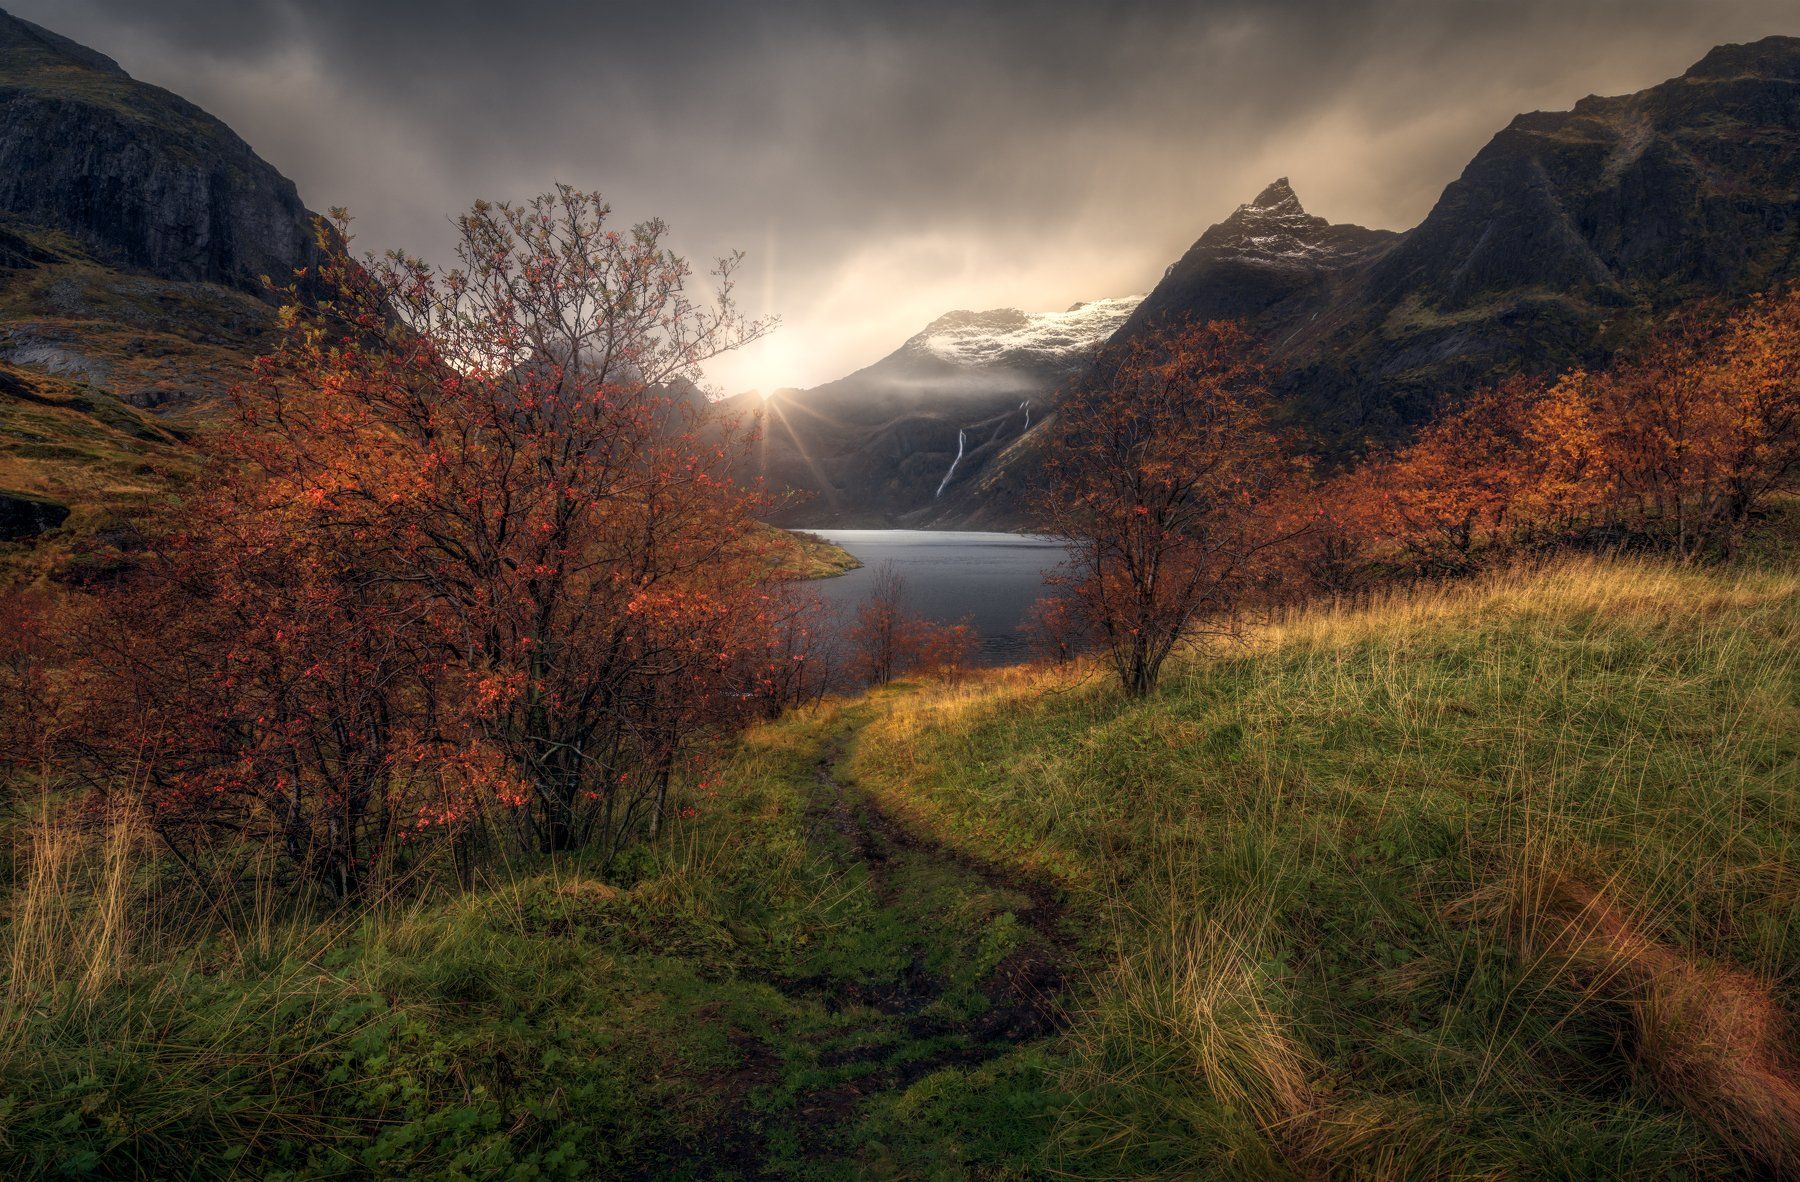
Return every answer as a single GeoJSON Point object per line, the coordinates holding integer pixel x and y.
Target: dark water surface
{"type": "Point", "coordinates": [951, 575]}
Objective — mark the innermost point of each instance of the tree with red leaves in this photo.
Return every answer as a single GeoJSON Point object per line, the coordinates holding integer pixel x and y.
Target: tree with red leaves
{"type": "Point", "coordinates": [884, 636]}
{"type": "Point", "coordinates": [517, 442]}
{"type": "Point", "coordinates": [469, 548]}
{"type": "Point", "coordinates": [1161, 466]}
{"type": "Point", "coordinates": [945, 651]}
{"type": "Point", "coordinates": [1055, 630]}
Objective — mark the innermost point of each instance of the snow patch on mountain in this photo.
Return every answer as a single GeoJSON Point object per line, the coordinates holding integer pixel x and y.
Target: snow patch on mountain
{"type": "Point", "coordinates": [1009, 337]}
{"type": "Point", "coordinates": [1276, 229]}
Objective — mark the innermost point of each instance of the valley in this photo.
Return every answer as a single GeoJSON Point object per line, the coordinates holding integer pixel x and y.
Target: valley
{"type": "Point", "coordinates": [1334, 715]}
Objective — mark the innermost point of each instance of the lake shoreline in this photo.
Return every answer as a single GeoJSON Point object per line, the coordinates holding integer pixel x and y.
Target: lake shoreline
{"type": "Point", "coordinates": [987, 577]}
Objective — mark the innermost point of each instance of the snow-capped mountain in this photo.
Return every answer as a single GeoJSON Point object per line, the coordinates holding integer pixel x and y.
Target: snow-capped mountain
{"type": "Point", "coordinates": [1023, 340]}
{"type": "Point", "coordinates": [896, 441]}
{"type": "Point", "coordinates": [1265, 251]}
{"type": "Point", "coordinates": [1275, 229]}
{"type": "Point", "coordinates": [1564, 231]}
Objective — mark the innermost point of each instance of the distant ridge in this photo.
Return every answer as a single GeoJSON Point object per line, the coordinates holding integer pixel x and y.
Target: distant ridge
{"type": "Point", "coordinates": [1564, 236]}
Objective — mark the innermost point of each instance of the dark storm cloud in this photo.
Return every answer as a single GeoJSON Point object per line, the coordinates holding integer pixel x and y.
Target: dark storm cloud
{"type": "Point", "coordinates": [885, 162]}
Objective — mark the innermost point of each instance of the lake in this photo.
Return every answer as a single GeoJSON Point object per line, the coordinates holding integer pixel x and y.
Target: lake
{"type": "Point", "coordinates": [950, 575]}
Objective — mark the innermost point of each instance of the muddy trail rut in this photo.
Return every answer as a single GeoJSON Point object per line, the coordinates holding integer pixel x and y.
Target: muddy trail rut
{"type": "Point", "coordinates": [909, 1001]}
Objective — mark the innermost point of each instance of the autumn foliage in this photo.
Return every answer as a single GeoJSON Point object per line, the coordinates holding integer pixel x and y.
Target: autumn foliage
{"type": "Point", "coordinates": [1182, 507]}
{"type": "Point", "coordinates": [468, 556]}
{"type": "Point", "coordinates": [468, 564]}
{"type": "Point", "coordinates": [1161, 473]}
{"type": "Point", "coordinates": [1677, 446]}
{"type": "Point", "coordinates": [888, 639]}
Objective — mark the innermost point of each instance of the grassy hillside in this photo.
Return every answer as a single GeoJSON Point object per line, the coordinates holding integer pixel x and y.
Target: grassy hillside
{"type": "Point", "coordinates": [1336, 866]}
{"type": "Point", "coordinates": [1485, 881]}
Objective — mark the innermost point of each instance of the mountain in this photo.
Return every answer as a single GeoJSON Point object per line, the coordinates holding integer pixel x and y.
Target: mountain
{"type": "Point", "coordinates": [1264, 254]}
{"type": "Point", "coordinates": [901, 441]}
{"type": "Point", "coordinates": [1567, 234]}
{"type": "Point", "coordinates": [142, 179]}
{"type": "Point", "coordinates": [1563, 236]}
{"type": "Point", "coordinates": [135, 232]}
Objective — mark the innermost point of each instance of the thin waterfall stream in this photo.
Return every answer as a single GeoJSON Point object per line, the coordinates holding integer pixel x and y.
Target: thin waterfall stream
{"type": "Point", "coordinates": [953, 464]}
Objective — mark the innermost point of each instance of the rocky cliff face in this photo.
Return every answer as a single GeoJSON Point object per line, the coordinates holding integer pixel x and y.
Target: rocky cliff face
{"type": "Point", "coordinates": [135, 231]}
{"type": "Point", "coordinates": [142, 179]}
{"type": "Point", "coordinates": [1565, 232]}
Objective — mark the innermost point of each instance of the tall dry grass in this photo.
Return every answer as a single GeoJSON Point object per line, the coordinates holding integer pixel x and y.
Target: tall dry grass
{"type": "Point", "coordinates": [1343, 803]}
{"type": "Point", "coordinates": [71, 922]}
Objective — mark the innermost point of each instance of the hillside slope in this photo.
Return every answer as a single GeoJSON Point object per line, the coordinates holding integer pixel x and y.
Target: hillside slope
{"type": "Point", "coordinates": [136, 232]}
{"type": "Point", "coordinates": [1301, 914]}
{"type": "Point", "coordinates": [1562, 235]}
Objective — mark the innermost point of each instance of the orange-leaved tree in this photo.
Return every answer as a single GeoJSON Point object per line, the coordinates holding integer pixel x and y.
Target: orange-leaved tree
{"type": "Point", "coordinates": [1161, 467]}
{"type": "Point", "coordinates": [517, 444]}
{"type": "Point", "coordinates": [1701, 427]}
{"type": "Point", "coordinates": [1450, 492]}
{"type": "Point", "coordinates": [468, 549]}
{"type": "Point", "coordinates": [249, 687]}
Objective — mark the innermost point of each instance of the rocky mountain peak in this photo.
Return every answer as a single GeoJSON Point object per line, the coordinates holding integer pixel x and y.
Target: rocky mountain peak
{"type": "Point", "coordinates": [1276, 230]}
{"type": "Point", "coordinates": [1277, 198]}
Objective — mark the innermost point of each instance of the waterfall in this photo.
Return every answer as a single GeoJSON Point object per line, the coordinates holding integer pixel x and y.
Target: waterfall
{"type": "Point", "coordinates": [1026, 407]}
{"type": "Point", "coordinates": [953, 463]}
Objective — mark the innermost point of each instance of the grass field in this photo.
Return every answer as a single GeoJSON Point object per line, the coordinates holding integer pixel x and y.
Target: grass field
{"type": "Point", "coordinates": [1483, 881]}
{"type": "Point", "coordinates": [1332, 865]}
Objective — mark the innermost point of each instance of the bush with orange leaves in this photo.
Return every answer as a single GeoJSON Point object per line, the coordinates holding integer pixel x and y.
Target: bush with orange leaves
{"type": "Point", "coordinates": [1679, 445]}
{"type": "Point", "coordinates": [469, 548]}
{"type": "Point", "coordinates": [945, 651]}
{"type": "Point", "coordinates": [1162, 474]}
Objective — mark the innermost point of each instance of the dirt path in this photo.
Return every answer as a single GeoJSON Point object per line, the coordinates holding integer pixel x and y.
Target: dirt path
{"type": "Point", "coordinates": [919, 1014]}
{"type": "Point", "coordinates": [1024, 991]}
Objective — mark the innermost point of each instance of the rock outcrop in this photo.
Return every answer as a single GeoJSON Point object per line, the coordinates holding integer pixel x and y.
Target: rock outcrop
{"type": "Point", "coordinates": [141, 178]}
{"type": "Point", "coordinates": [23, 518]}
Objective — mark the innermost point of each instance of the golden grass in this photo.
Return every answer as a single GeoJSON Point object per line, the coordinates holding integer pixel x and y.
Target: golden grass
{"type": "Point", "coordinates": [1709, 1038]}
{"type": "Point", "coordinates": [1395, 766]}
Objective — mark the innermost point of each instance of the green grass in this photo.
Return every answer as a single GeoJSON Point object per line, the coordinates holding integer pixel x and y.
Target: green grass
{"type": "Point", "coordinates": [1299, 937]}
{"type": "Point", "coordinates": [719, 1003]}
{"type": "Point", "coordinates": [1315, 855]}
{"type": "Point", "coordinates": [808, 556]}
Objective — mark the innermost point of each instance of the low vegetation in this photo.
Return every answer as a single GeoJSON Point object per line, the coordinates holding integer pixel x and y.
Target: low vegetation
{"type": "Point", "coordinates": [1333, 867]}
{"type": "Point", "coordinates": [1440, 883]}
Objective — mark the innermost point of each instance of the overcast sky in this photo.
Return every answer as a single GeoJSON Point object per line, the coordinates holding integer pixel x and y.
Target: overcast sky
{"type": "Point", "coordinates": [883, 163]}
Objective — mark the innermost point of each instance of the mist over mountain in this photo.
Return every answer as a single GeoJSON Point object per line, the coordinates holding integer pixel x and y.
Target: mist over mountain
{"type": "Point", "coordinates": [1564, 236]}
{"type": "Point", "coordinates": [902, 440]}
